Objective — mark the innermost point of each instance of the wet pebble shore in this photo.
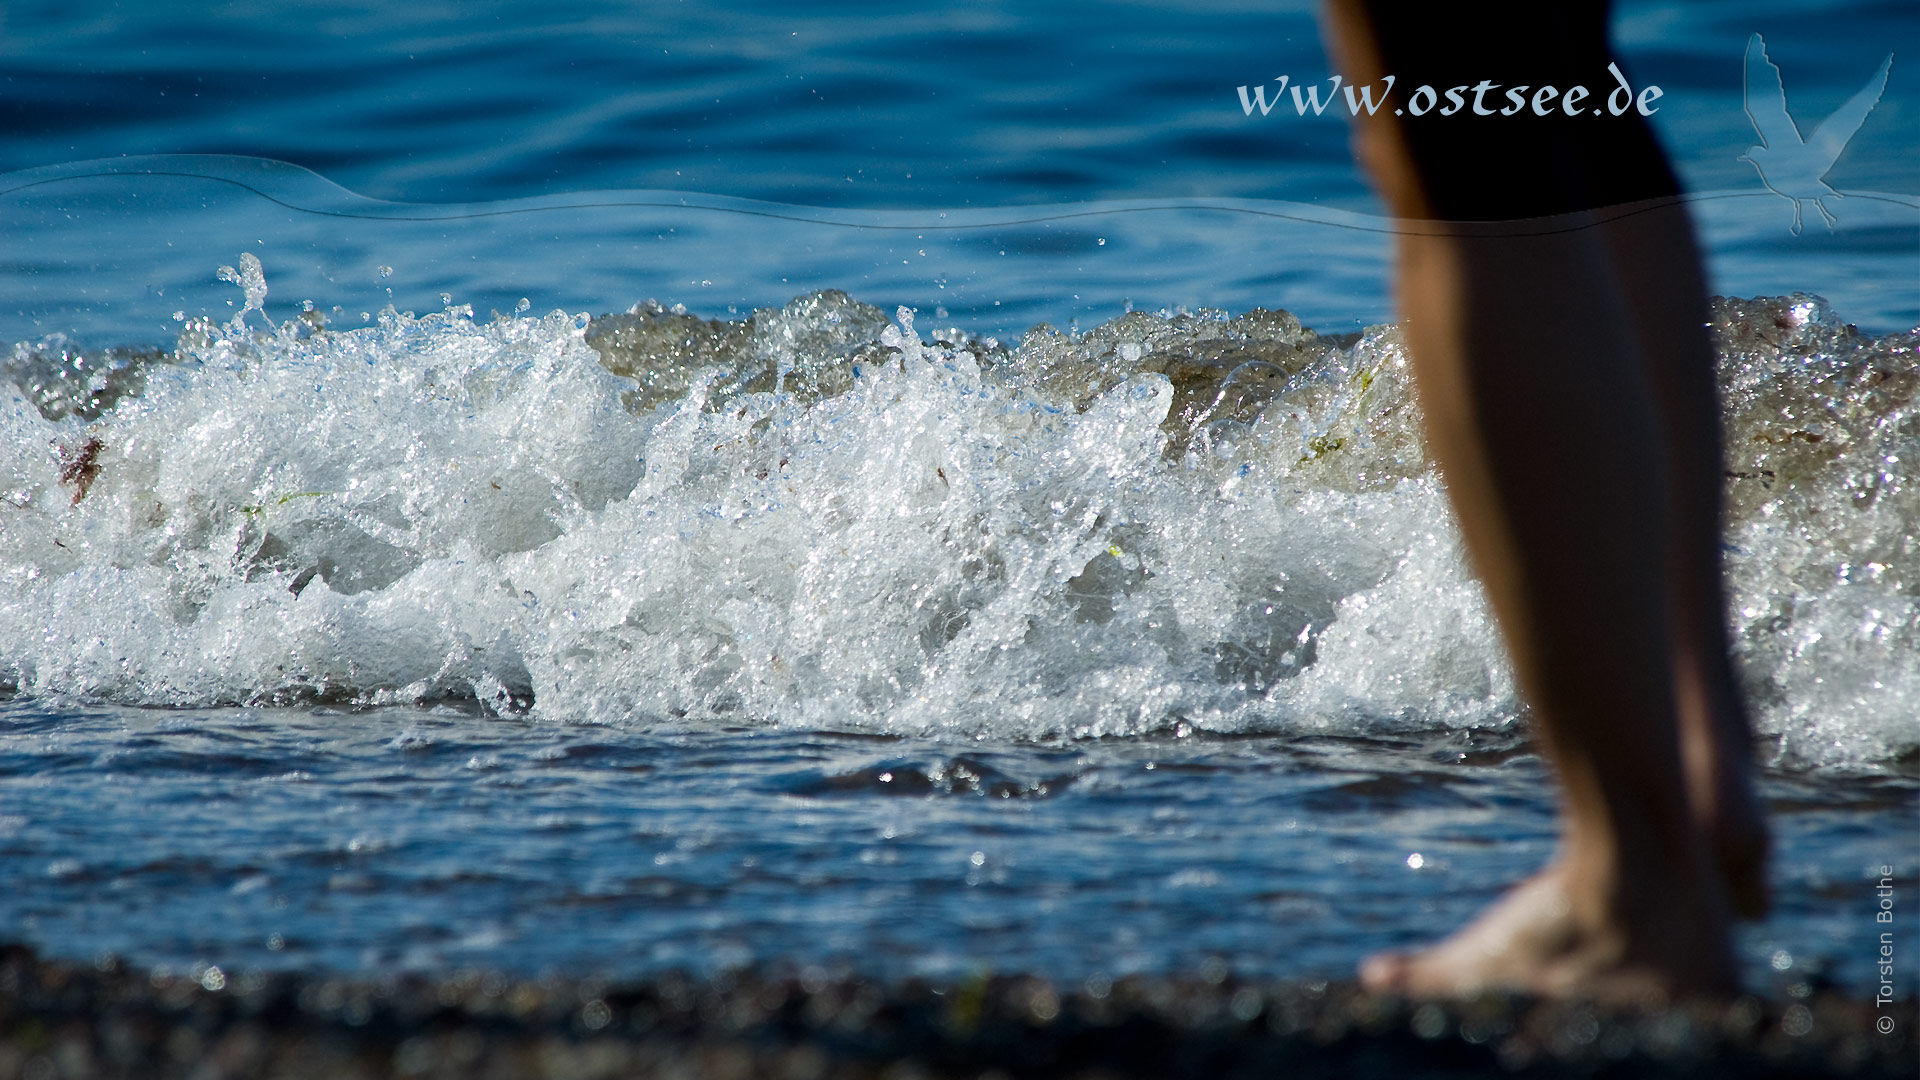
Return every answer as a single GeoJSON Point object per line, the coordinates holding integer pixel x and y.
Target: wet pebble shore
{"type": "Point", "coordinates": [108, 1020]}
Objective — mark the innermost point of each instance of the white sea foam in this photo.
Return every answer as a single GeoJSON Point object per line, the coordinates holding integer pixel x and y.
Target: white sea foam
{"type": "Point", "coordinates": [819, 517]}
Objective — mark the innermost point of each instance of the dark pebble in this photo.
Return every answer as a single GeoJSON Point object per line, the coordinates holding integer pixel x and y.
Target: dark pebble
{"type": "Point", "coordinates": [105, 1020]}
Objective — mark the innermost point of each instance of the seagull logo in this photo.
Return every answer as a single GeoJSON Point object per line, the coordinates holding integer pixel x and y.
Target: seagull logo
{"type": "Point", "coordinates": [1793, 167]}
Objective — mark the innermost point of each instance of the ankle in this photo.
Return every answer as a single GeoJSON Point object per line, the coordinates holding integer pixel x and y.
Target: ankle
{"type": "Point", "coordinates": [1672, 881]}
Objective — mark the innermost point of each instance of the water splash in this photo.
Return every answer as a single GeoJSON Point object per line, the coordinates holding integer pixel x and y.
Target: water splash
{"type": "Point", "coordinates": [819, 517]}
{"type": "Point", "coordinates": [252, 279]}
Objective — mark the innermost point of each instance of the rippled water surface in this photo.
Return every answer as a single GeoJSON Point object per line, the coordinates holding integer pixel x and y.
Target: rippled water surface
{"type": "Point", "coordinates": [432, 840]}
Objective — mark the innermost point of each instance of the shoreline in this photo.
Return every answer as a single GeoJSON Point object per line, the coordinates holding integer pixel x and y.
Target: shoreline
{"type": "Point", "coordinates": [59, 1019]}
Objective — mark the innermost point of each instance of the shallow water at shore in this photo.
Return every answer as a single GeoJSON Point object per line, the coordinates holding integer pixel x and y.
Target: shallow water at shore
{"type": "Point", "coordinates": [404, 840]}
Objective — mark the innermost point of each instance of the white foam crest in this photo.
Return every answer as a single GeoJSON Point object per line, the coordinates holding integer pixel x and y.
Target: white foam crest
{"type": "Point", "coordinates": [266, 517]}
{"type": "Point", "coordinates": [1824, 546]}
{"type": "Point", "coordinates": [929, 537]}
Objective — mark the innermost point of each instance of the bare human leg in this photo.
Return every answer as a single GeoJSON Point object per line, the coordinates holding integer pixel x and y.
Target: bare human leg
{"type": "Point", "coordinates": [1552, 401]}
{"type": "Point", "coordinates": [1549, 435]}
{"type": "Point", "coordinates": [1658, 266]}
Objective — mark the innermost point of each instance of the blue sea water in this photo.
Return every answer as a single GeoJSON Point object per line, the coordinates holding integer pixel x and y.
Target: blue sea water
{"type": "Point", "coordinates": [934, 674]}
{"type": "Point", "coordinates": [531, 138]}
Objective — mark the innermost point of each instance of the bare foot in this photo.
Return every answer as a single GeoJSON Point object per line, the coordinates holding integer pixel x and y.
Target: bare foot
{"type": "Point", "coordinates": [1543, 938]}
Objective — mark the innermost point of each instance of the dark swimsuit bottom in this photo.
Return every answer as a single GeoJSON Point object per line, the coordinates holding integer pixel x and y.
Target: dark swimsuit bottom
{"type": "Point", "coordinates": [1509, 167]}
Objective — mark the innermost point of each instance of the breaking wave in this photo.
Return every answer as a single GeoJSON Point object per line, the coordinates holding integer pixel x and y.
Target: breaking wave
{"type": "Point", "coordinates": [823, 517]}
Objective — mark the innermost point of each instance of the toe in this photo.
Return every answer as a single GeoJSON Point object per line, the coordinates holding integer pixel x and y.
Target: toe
{"type": "Point", "coordinates": [1384, 973]}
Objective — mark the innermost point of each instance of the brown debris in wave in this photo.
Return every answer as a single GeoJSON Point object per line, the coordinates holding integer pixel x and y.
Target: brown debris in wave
{"type": "Point", "coordinates": [79, 465]}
